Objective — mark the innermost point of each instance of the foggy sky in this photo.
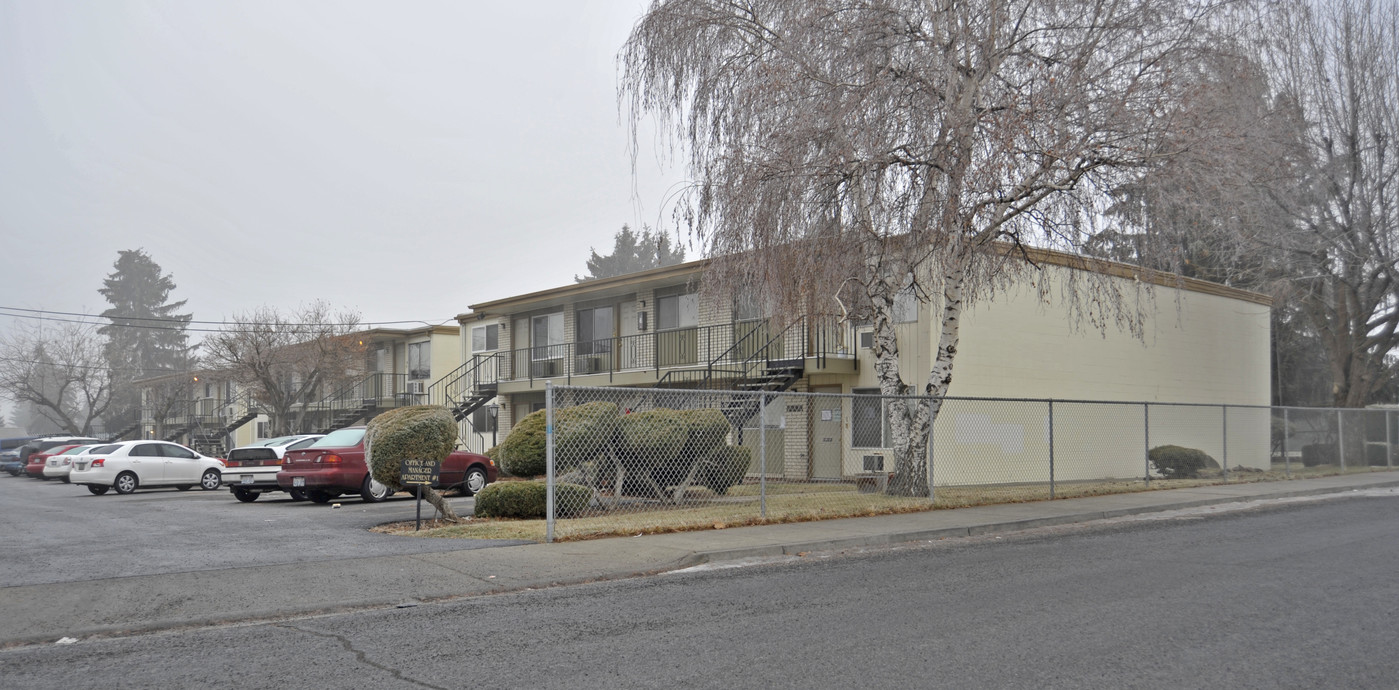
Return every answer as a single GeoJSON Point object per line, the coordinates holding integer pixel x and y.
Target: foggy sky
{"type": "Point", "coordinates": [404, 159]}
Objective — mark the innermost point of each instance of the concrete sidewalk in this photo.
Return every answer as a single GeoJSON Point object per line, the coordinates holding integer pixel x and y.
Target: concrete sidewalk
{"type": "Point", "coordinates": [45, 613]}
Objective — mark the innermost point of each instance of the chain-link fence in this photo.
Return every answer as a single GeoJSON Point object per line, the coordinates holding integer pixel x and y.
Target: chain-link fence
{"type": "Point", "coordinates": [648, 459]}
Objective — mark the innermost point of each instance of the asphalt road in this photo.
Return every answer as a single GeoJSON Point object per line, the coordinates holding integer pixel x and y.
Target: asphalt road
{"type": "Point", "coordinates": [1299, 596]}
{"type": "Point", "coordinates": [56, 532]}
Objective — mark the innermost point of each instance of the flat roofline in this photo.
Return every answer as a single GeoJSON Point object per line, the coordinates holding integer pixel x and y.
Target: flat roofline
{"type": "Point", "coordinates": [1035, 254]}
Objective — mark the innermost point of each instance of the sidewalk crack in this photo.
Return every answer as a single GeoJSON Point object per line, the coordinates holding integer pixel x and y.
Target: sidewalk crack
{"type": "Point", "coordinates": [349, 647]}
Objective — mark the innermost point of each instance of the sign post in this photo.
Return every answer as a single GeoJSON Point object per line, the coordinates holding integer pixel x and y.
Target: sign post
{"type": "Point", "coordinates": [418, 473]}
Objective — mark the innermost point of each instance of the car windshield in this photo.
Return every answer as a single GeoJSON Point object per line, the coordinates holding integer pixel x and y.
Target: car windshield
{"type": "Point", "coordinates": [103, 450]}
{"type": "Point", "coordinates": [303, 443]}
{"type": "Point", "coordinates": [75, 450]}
{"type": "Point", "coordinates": [340, 438]}
{"type": "Point", "coordinates": [272, 442]}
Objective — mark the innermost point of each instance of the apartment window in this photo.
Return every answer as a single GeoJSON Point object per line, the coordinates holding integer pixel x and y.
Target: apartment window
{"type": "Point", "coordinates": [483, 420]}
{"type": "Point", "coordinates": [677, 311]}
{"type": "Point", "coordinates": [546, 331]}
{"type": "Point", "coordinates": [869, 424]}
{"type": "Point", "coordinates": [595, 329]}
{"type": "Point", "coordinates": [905, 306]}
{"type": "Point", "coordinates": [485, 338]}
{"type": "Point", "coordinates": [749, 307]}
{"type": "Point", "coordinates": [419, 360]}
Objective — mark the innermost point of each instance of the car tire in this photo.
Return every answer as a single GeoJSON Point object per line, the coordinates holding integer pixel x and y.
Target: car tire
{"type": "Point", "coordinates": [126, 483]}
{"type": "Point", "coordinates": [14, 473]}
{"type": "Point", "coordinates": [210, 480]}
{"type": "Point", "coordinates": [370, 493]}
{"type": "Point", "coordinates": [297, 494]}
{"type": "Point", "coordinates": [97, 489]}
{"type": "Point", "coordinates": [42, 478]}
{"type": "Point", "coordinates": [67, 480]}
{"type": "Point", "coordinates": [245, 495]}
{"type": "Point", "coordinates": [475, 481]}
{"type": "Point", "coordinates": [319, 496]}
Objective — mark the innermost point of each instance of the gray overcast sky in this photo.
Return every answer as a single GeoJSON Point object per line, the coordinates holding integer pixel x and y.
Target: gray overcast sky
{"type": "Point", "coordinates": [405, 159]}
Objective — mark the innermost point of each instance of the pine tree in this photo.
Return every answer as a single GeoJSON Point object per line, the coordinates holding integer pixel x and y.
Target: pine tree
{"type": "Point", "coordinates": [146, 336]}
{"type": "Point", "coordinates": [632, 252]}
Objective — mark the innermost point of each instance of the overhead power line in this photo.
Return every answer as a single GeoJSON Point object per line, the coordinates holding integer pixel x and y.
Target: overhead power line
{"type": "Point", "coordinates": [103, 321]}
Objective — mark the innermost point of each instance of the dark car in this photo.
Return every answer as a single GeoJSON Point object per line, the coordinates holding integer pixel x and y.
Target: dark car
{"type": "Point", "coordinates": [9, 454]}
{"type": "Point", "coordinates": [334, 465]}
{"type": "Point", "coordinates": [10, 462]}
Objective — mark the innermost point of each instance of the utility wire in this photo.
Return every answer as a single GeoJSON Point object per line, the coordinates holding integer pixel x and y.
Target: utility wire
{"type": "Point", "coordinates": [235, 326]}
{"type": "Point", "coordinates": [216, 323]}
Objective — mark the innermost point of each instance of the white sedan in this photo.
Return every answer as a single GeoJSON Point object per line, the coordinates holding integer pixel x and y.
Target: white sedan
{"type": "Point", "coordinates": [58, 466]}
{"type": "Point", "coordinates": [129, 465]}
{"type": "Point", "coordinates": [252, 469]}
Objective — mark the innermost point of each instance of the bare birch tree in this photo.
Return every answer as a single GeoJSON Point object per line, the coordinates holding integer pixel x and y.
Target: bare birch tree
{"type": "Point", "coordinates": [1338, 60]}
{"type": "Point", "coordinates": [61, 370]}
{"type": "Point", "coordinates": [288, 359]}
{"type": "Point", "coordinates": [863, 148]}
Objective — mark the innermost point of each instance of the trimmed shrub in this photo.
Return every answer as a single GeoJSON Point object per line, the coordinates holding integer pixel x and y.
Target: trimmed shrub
{"type": "Point", "coordinates": [528, 500]}
{"type": "Point", "coordinates": [580, 434]}
{"type": "Point", "coordinates": [725, 467]}
{"type": "Point", "coordinates": [522, 451]}
{"type": "Point", "coordinates": [419, 432]}
{"type": "Point", "coordinates": [1176, 462]}
{"type": "Point", "coordinates": [665, 444]}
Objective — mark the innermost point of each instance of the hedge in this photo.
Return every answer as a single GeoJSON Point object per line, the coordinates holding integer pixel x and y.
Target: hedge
{"type": "Point", "coordinates": [580, 434]}
{"type": "Point", "coordinates": [725, 467]}
{"type": "Point", "coordinates": [1177, 462]}
{"type": "Point", "coordinates": [528, 500]}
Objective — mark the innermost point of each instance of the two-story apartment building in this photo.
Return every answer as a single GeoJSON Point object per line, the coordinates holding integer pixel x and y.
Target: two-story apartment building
{"type": "Point", "coordinates": [1204, 343]}
{"type": "Point", "coordinates": [209, 411]}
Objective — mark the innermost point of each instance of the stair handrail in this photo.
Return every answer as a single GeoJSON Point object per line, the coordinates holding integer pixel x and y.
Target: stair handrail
{"type": "Point", "coordinates": [481, 370]}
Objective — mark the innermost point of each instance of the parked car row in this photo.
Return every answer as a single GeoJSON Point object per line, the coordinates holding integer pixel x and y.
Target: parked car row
{"type": "Point", "coordinates": [306, 466]}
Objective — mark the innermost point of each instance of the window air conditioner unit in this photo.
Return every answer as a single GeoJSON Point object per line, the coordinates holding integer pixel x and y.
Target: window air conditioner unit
{"type": "Point", "coordinates": [874, 463]}
{"type": "Point", "coordinates": [415, 387]}
{"type": "Point", "coordinates": [590, 365]}
{"type": "Point", "coordinates": [544, 369]}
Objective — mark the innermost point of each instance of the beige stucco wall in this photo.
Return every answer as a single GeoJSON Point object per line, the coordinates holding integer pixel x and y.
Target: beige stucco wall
{"type": "Point", "coordinates": [1197, 348]}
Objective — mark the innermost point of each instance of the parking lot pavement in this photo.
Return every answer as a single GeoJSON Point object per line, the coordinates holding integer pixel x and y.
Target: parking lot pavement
{"type": "Point", "coordinates": [59, 532]}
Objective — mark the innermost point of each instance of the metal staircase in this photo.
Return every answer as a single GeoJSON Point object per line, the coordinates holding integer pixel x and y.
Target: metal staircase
{"type": "Point", "coordinates": [758, 372]}
{"type": "Point", "coordinates": [468, 387]}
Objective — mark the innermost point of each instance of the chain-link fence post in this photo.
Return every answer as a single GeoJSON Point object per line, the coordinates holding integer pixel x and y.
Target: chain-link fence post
{"type": "Point", "coordinates": [1286, 445]}
{"type": "Point", "coordinates": [1341, 438]}
{"type": "Point", "coordinates": [548, 462]}
{"type": "Point", "coordinates": [763, 456]}
{"type": "Point", "coordinates": [1388, 443]}
{"type": "Point", "coordinates": [1224, 413]}
{"type": "Point", "coordinates": [932, 424]}
{"type": "Point", "coordinates": [1146, 442]}
{"type": "Point", "coordinates": [1051, 450]}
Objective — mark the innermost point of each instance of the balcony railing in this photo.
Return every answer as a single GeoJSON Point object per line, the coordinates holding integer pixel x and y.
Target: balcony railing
{"type": "Point", "coordinates": [373, 391]}
{"type": "Point", "coordinates": [699, 348]}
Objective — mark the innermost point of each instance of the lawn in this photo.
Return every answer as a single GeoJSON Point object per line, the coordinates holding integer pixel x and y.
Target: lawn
{"type": "Point", "coordinates": [804, 501]}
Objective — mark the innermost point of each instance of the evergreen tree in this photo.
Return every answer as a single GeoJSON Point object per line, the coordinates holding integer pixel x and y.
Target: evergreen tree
{"type": "Point", "coordinates": [146, 336]}
{"type": "Point", "coordinates": [632, 252]}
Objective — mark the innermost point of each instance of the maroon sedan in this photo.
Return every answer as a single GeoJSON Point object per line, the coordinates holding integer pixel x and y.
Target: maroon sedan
{"type": "Point", "coordinates": [334, 465]}
{"type": "Point", "coordinates": [35, 466]}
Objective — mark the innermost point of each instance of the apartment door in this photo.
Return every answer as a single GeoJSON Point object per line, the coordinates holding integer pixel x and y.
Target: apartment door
{"type": "Point", "coordinates": [826, 424]}
{"type": "Point", "coordinates": [677, 332]}
{"type": "Point", "coordinates": [627, 356]}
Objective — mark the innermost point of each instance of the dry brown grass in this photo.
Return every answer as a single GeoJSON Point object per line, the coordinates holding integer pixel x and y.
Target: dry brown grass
{"type": "Point", "coordinates": [802, 502]}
